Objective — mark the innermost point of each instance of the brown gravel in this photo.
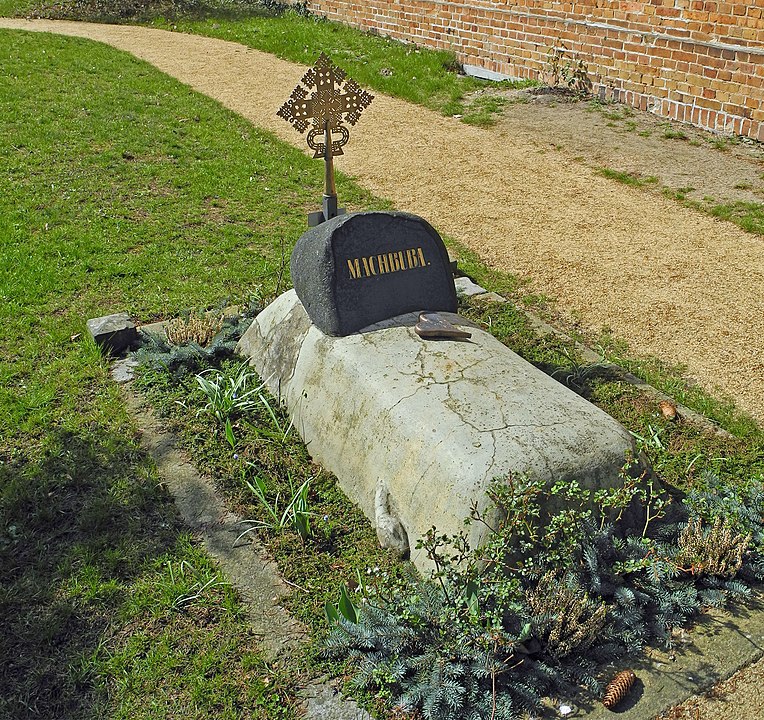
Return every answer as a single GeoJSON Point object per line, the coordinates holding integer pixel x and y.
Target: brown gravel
{"type": "Point", "coordinates": [672, 282]}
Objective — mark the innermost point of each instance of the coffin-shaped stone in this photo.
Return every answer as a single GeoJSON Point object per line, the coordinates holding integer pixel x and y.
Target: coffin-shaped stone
{"type": "Point", "coordinates": [421, 428]}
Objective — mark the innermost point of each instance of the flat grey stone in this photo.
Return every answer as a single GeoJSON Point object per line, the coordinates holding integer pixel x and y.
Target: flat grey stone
{"type": "Point", "coordinates": [415, 430]}
{"type": "Point", "coordinates": [114, 332]}
{"type": "Point", "coordinates": [465, 286]}
{"type": "Point", "coordinates": [245, 564]}
{"type": "Point", "coordinates": [157, 329]}
{"type": "Point", "coordinates": [491, 297]}
{"type": "Point", "coordinates": [123, 371]}
{"type": "Point", "coordinates": [323, 702]}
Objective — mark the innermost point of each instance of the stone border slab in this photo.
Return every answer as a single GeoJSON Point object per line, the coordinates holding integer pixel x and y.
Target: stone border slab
{"type": "Point", "coordinates": [245, 564]}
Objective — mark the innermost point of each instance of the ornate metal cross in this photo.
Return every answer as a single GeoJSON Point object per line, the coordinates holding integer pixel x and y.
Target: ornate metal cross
{"type": "Point", "coordinates": [336, 99]}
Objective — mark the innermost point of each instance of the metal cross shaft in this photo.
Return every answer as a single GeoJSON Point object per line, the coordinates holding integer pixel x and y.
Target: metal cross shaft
{"type": "Point", "coordinates": [330, 191]}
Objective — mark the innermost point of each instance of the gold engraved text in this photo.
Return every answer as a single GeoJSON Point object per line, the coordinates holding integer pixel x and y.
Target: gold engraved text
{"type": "Point", "coordinates": [386, 263]}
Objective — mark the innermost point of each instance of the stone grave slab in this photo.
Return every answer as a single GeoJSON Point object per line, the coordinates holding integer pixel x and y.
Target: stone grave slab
{"type": "Point", "coordinates": [357, 269]}
{"type": "Point", "coordinates": [416, 429]}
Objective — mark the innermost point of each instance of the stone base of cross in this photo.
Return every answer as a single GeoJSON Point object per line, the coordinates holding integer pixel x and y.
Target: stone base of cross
{"type": "Point", "coordinates": [328, 211]}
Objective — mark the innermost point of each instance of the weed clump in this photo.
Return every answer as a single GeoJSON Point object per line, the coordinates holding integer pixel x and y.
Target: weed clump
{"type": "Point", "coordinates": [564, 617]}
{"type": "Point", "coordinates": [194, 343]}
{"type": "Point", "coordinates": [199, 329]}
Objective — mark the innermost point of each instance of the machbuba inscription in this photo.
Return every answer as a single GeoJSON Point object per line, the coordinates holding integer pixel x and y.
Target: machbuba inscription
{"type": "Point", "coordinates": [391, 262]}
{"type": "Point", "coordinates": [356, 270]}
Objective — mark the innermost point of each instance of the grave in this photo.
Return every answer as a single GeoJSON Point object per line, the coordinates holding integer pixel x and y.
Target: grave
{"type": "Point", "coordinates": [416, 429]}
{"type": "Point", "coordinates": [414, 410]}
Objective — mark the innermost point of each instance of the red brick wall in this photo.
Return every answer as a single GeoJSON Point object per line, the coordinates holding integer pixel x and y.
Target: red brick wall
{"type": "Point", "coordinates": [695, 61]}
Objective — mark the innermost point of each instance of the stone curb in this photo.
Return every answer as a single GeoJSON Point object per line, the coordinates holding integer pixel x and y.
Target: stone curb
{"type": "Point", "coordinates": [248, 567]}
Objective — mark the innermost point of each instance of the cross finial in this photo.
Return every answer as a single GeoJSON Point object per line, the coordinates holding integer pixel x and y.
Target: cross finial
{"type": "Point", "coordinates": [336, 100]}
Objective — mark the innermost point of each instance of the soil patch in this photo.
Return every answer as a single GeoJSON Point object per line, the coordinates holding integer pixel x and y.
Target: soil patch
{"type": "Point", "coordinates": [668, 157]}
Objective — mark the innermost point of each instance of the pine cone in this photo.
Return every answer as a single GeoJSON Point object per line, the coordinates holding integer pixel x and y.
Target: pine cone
{"type": "Point", "coordinates": [618, 688]}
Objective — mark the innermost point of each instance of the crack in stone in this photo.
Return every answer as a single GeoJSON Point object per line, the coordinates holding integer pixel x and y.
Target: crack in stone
{"type": "Point", "coordinates": [454, 406]}
{"type": "Point", "coordinates": [434, 460]}
{"type": "Point", "coordinates": [405, 397]}
{"type": "Point", "coordinates": [458, 375]}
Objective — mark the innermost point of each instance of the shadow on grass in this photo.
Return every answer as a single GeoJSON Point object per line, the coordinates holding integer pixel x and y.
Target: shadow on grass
{"type": "Point", "coordinates": [78, 525]}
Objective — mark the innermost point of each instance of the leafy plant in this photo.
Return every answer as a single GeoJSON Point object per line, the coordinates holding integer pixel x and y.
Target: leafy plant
{"type": "Point", "coordinates": [279, 429]}
{"type": "Point", "coordinates": [229, 394]}
{"type": "Point", "coordinates": [577, 372]}
{"type": "Point", "coordinates": [565, 70]}
{"type": "Point", "coordinates": [344, 608]}
{"type": "Point", "coordinates": [551, 594]}
{"type": "Point", "coordinates": [295, 515]}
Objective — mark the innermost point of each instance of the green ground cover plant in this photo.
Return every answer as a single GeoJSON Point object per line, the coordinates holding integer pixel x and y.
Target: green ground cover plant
{"type": "Point", "coordinates": [550, 597]}
{"type": "Point", "coordinates": [627, 178]}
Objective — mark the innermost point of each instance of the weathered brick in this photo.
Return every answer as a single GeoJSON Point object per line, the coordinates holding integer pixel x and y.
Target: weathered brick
{"type": "Point", "coordinates": [686, 56]}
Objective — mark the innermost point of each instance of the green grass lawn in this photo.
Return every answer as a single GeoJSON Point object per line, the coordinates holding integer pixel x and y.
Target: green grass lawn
{"type": "Point", "coordinates": [121, 189]}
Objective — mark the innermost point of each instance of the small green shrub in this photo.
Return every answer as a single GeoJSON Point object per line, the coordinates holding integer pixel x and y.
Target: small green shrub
{"type": "Point", "coordinates": [564, 69]}
{"type": "Point", "coordinates": [551, 594]}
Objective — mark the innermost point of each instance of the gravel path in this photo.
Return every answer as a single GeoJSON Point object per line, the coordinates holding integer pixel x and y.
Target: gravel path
{"type": "Point", "coordinates": [672, 282]}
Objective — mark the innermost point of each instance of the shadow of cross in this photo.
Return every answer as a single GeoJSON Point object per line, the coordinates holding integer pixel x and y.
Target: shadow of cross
{"type": "Point", "coordinates": [336, 99]}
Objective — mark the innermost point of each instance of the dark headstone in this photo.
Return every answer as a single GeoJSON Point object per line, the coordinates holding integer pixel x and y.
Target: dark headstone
{"type": "Point", "coordinates": [113, 332]}
{"type": "Point", "coordinates": [355, 270]}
